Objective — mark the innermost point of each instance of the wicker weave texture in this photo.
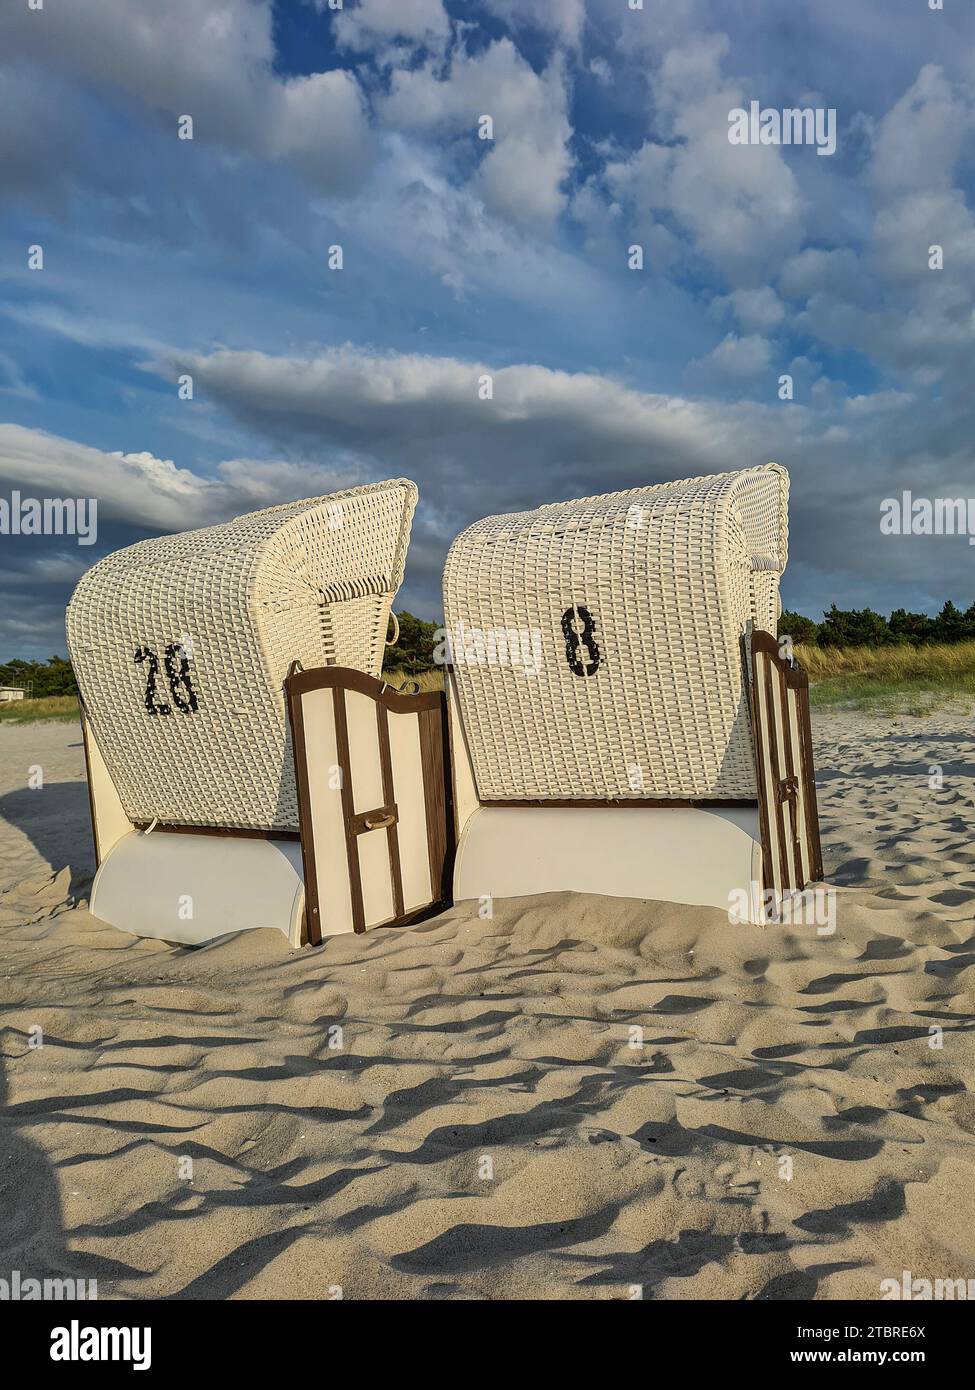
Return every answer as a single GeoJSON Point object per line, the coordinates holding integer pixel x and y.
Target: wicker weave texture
{"type": "Point", "coordinates": [670, 576]}
{"type": "Point", "coordinates": [311, 581]}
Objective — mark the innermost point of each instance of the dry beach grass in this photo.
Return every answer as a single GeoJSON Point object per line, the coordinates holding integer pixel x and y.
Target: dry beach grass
{"type": "Point", "coordinates": [31, 711]}
{"type": "Point", "coordinates": [484, 1129]}
{"type": "Point", "coordinates": [902, 678]}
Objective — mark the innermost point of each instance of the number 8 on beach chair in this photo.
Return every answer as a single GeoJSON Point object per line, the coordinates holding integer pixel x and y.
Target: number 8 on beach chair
{"type": "Point", "coordinates": [622, 721]}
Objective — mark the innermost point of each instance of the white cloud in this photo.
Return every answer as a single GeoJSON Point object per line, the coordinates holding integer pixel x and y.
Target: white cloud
{"type": "Point", "coordinates": [136, 487]}
{"type": "Point", "coordinates": [213, 62]}
{"type": "Point", "coordinates": [545, 434]}
{"type": "Point", "coordinates": [57, 568]}
{"type": "Point", "coordinates": [421, 21]}
{"type": "Point", "coordinates": [320, 122]}
{"type": "Point", "coordinates": [522, 168]}
{"type": "Point", "coordinates": [884, 299]}
{"type": "Point", "coordinates": [879, 403]}
{"type": "Point", "coordinates": [564, 18]}
{"type": "Point", "coordinates": [141, 490]}
{"type": "Point", "coordinates": [740, 203]}
{"type": "Point", "coordinates": [918, 142]}
{"type": "Point", "coordinates": [759, 309]}
{"type": "Point", "coordinates": [905, 231]}
{"type": "Point", "coordinates": [411, 211]}
{"type": "Point", "coordinates": [548, 434]}
{"type": "Point", "coordinates": [740, 357]}
{"type": "Point", "coordinates": [815, 270]}
{"type": "Point", "coordinates": [12, 379]}
{"type": "Point", "coordinates": [355, 414]}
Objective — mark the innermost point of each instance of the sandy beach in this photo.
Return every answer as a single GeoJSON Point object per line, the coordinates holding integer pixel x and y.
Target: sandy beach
{"type": "Point", "coordinates": [458, 1110]}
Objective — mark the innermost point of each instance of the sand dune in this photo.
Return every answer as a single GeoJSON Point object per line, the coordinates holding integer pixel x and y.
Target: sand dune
{"type": "Point", "coordinates": [481, 1125]}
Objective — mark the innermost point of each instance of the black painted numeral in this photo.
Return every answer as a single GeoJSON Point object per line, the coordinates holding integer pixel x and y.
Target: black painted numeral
{"type": "Point", "coordinates": [581, 650]}
{"type": "Point", "coordinates": [184, 699]}
{"type": "Point", "coordinates": [178, 678]}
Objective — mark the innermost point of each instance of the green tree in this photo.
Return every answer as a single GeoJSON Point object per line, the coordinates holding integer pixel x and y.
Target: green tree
{"type": "Point", "coordinates": [413, 652]}
{"type": "Point", "coordinates": [910, 627]}
{"type": "Point", "coordinates": [51, 677]}
{"type": "Point", "coordinates": [799, 628]}
{"type": "Point", "coordinates": [854, 627]}
{"type": "Point", "coordinates": [951, 625]}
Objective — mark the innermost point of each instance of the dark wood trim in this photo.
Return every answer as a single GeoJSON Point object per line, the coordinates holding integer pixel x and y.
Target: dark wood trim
{"type": "Point", "coordinates": [411, 918]}
{"type": "Point", "coordinates": [792, 673]}
{"type": "Point", "coordinates": [91, 794]}
{"type": "Point", "coordinates": [312, 927]}
{"type": "Point", "coordinates": [364, 822]}
{"type": "Point", "coordinates": [662, 803]}
{"type": "Point", "coordinates": [348, 801]}
{"type": "Point", "coordinates": [238, 832]}
{"type": "Point", "coordinates": [450, 814]}
{"type": "Point", "coordinates": [434, 796]}
{"type": "Point", "coordinates": [389, 792]}
{"type": "Point", "coordinates": [344, 678]}
{"type": "Point", "coordinates": [416, 915]}
{"type": "Point", "coordinates": [816, 871]}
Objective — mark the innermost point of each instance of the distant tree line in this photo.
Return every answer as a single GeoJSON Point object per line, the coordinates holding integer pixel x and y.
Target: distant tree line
{"type": "Point", "coordinates": [841, 627]}
{"type": "Point", "coordinates": [51, 677]}
{"type": "Point", "coordinates": [413, 653]}
{"type": "Point", "coordinates": [862, 627]}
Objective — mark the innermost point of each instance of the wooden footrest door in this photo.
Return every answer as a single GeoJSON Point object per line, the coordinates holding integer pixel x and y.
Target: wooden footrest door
{"type": "Point", "coordinates": [373, 800]}
{"type": "Point", "coordinates": [791, 852]}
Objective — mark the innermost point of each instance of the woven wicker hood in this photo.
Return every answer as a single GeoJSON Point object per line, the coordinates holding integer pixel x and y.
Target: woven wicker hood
{"type": "Point", "coordinates": [180, 645]}
{"type": "Point", "coordinates": [597, 643]}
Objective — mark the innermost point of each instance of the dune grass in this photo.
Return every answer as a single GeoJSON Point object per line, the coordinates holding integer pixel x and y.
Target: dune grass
{"type": "Point", "coordinates": [65, 707]}
{"type": "Point", "coordinates": [425, 680]}
{"type": "Point", "coordinates": [897, 680]}
{"type": "Point", "coordinates": [61, 707]}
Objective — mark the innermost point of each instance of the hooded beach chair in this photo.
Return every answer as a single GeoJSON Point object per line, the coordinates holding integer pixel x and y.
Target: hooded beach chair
{"type": "Point", "coordinates": [622, 720]}
{"type": "Point", "coordinates": [247, 765]}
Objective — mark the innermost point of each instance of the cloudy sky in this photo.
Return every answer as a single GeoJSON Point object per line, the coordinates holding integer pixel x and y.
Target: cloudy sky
{"type": "Point", "coordinates": [358, 127]}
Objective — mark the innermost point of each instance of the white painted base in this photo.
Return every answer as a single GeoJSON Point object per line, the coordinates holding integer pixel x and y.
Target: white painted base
{"type": "Point", "coordinates": [683, 855]}
{"type": "Point", "coordinates": [192, 888]}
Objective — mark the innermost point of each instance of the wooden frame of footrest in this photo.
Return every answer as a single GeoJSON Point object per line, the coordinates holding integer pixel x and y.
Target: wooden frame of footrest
{"type": "Point", "coordinates": [405, 781]}
{"type": "Point", "coordinates": [792, 853]}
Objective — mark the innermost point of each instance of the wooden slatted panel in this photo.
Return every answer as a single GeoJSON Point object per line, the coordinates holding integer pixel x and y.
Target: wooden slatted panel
{"type": "Point", "coordinates": [406, 759]}
{"type": "Point", "coordinates": [789, 816]}
{"type": "Point", "coordinates": [385, 854]}
{"type": "Point", "coordinates": [389, 798]}
{"type": "Point", "coordinates": [807, 779]}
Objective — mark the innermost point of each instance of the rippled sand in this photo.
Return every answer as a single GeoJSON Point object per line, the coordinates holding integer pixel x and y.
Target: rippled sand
{"type": "Point", "coordinates": [481, 1125]}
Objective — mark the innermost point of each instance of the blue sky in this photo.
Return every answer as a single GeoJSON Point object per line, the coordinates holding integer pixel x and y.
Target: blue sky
{"type": "Point", "coordinates": [358, 126]}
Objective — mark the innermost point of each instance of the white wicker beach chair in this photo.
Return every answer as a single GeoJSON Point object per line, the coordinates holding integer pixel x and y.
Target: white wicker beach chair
{"type": "Point", "coordinates": [182, 646]}
{"type": "Point", "coordinates": [604, 730]}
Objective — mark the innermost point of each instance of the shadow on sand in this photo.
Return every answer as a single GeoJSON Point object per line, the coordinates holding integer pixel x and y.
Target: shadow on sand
{"type": "Point", "coordinates": [57, 821]}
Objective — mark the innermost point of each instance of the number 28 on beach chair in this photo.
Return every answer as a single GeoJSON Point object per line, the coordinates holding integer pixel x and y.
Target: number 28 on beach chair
{"type": "Point", "coordinates": [622, 721]}
{"type": "Point", "coordinates": [220, 801]}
